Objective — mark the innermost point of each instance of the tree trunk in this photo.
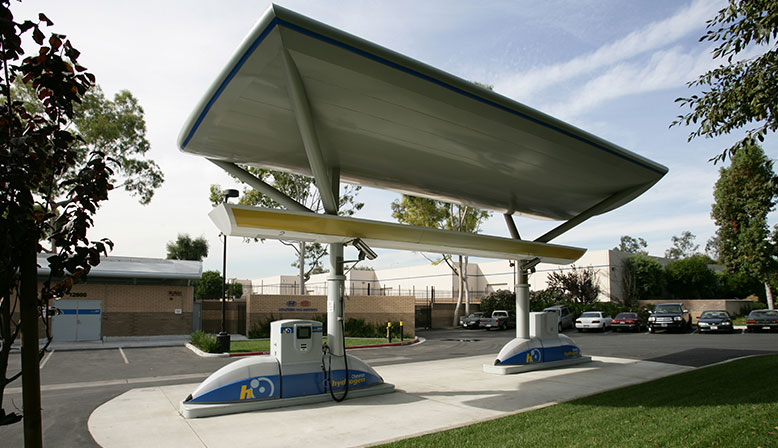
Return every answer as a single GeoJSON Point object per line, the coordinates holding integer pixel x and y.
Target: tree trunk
{"type": "Point", "coordinates": [301, 262]}
{"type": "Point", "coordinates": [5, 350]}
{"type": "Point", "coordinates": [466, 283]}
{"type": "Point", "coordinates": [31, 384]}
{"type": "Point", "coordinates": [459, 294]}
{"type": "Point", "coordinates": [769, 294]}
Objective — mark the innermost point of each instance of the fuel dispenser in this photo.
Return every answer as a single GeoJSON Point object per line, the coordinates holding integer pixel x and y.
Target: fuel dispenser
{"type": "Point", "coordinates": [298, 370]}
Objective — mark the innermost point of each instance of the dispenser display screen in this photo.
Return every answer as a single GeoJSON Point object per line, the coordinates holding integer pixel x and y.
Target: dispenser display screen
{"type": "Point", "coordinates": [303, 332]}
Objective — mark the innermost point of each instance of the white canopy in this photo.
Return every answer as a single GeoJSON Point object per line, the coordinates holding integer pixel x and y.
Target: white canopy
{"type": "Point", "coordinates": [385, 120]}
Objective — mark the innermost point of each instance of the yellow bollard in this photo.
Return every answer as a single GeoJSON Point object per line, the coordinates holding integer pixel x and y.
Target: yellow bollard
{"type": "Point", "coordinates": [389, 331]}
{"type": "Point", "coordinates": [402, 333]}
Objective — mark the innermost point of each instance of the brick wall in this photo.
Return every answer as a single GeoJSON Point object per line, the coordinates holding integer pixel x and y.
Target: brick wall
{"type": "Point", "coordinates": [139, 310]}
{"type": "Point", "coordinates": [374, 309]}
{"type": "Point", "coordinates": [234, 314]}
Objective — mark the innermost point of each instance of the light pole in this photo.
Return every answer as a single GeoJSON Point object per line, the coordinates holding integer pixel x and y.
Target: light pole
{"type": "Point", "coordinates": [223, 338]}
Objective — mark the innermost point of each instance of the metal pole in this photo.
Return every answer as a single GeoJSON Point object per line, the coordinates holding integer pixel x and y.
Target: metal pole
{"type": "Point", "coordinates": [335, 284]}
{"type": "Point", "coordinates": [522, 303]}
{"type": "Point", "coordinates": [223, 338]}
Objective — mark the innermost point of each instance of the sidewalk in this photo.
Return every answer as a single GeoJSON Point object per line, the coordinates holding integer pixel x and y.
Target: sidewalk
{"type": "Point", "coordinates": [431, 396]}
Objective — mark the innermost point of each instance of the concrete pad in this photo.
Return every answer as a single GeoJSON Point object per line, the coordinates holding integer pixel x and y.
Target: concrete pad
{"type": "Point", "coordinates": [430, 397]}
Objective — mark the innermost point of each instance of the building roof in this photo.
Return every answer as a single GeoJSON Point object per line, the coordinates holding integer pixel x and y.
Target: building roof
{"type": "Point", "coordinates": [388, 121]}
{"type": "Point", "coordinates": [136, 267]}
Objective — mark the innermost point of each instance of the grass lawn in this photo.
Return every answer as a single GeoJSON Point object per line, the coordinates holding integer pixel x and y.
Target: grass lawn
{"type": "Point", "coordinates": [733, 404]}
{"type": "Point", "coordinates": [263, 345]}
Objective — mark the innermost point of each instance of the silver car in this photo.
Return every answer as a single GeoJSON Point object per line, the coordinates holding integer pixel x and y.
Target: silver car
{"type": "Point", "coordinates": [565, 316]}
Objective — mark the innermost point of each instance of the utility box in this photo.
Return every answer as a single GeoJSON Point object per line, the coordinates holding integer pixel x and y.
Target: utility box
{"type": "Point", "coordinates": [543, 325]}
{"type": "Point", "coordinates": [294, 341]}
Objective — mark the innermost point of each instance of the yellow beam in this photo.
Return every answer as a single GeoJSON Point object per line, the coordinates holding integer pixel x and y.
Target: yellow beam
{"type": "Point", "coordinates": [277, 224]}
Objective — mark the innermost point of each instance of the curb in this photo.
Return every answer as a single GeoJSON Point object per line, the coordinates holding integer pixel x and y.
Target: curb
{"type": "Point", "coordinates": [199, 352]}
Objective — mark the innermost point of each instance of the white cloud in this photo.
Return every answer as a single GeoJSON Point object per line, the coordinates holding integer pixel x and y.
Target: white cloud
{"type": "Point", "coordinates": [656, 35]}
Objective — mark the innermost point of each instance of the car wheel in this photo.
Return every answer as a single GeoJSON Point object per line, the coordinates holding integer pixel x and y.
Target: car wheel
{"type": "Point", "coordinates": [579, 329]}
{"type": "Point", "coordinates": [559, 328]}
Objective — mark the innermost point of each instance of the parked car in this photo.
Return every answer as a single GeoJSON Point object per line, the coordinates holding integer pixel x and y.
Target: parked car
{"type": "Point", "coordinates": [669, 316]}
{"type": "Point", "coordinates": [500, 319]}
{"type": "Point", "coordinates": [762, 320]}
{"type": "Point", "coordinates": [715, 320]}
{"type": "Point", "coordinates": [473, 320]}
{"type": "Point", "coordinates": [564, 314]}
{"type": "Point", "coordinates": [628, 321]}
{"type": "Point", "coordinates": [593, 320]}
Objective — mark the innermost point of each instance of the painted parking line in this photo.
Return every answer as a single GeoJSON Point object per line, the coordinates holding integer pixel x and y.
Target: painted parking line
{"type": "Point", "coordinates": [124, 357]}
{"type": "Point", "coordinates": [93, 384]}
{"type": "Point", "coordinates": [46, 358]}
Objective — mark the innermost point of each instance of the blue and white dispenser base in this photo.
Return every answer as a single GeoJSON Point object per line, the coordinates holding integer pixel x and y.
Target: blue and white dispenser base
{"type": "Point", "coordinates": [545, 349]}
{"type": "Point", "coordinates": [294, 373]}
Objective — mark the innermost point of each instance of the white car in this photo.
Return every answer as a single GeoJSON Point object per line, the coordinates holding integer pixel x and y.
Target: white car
{"type": "Point", "coordinates": [593, 320]}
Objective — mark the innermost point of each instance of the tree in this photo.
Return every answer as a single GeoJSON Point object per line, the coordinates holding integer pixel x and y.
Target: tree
{"type": "Point", "coordinates": [691, 278]}
{"type": "Point", "coordinates": [117, 128]}
{"type": "Point", "coordinates": [499, 300]}
{"type": "Point", "coordinates": [303, 190]}
{"type": "Point", "coordinates": [186, 248]}
{"type": "Point", "coordinates": [210, 286]}
{"type": "Point", "coordinates": [644, 278]}
{"type": "Point", "coordinates": [712, 248]}
{"type": "Point", "coordinates": [683, 246]}
{"type": "Point", "coordinates": [37, 150]}
{"type": "Point", "coordinates": [425, 212]}
{"type": "Point", "coordinates": [740, 93]}
{"type": "Point", "coordinates": [579, 285]}
{"type": "Point", "coordinates": [745, 194]}
{"type": "Point", "coordinates": [632, 245]}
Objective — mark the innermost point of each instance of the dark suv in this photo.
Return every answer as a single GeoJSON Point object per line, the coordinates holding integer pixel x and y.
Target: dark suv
{"type": "Point", "coordinates": [669, 316]}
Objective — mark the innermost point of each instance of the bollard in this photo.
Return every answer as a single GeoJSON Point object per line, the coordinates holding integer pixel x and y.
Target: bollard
{"type": "Point", "coordinates": [401, 331]}
{"type": "Point", "coordinates": [389, 331]}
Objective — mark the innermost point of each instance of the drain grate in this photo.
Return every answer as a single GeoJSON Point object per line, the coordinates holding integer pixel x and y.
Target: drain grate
{"type": "Point", "coordinates": [460, 340]}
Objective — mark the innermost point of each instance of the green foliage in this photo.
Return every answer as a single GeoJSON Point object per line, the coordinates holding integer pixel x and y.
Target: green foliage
{"type": "Point", "coordinates": [38, 201]}
{"type": "Point", "coordinates": [683, 246]}
{"type": "Point", "coordinates": [744, 92]}
{"type": "Point", "coordinates": [632, 245]}
{"type": "Point", "coordinates": [578, 285]}
{"type": "Point", "coordinates": [210, 287]}
{"type": "Point", "coordinates": [745, 194]}
{"type": "Point", "coordinates": [644, 278]}
{"type": "Point", "coordinates": [261, 328]}
{"type": "Point", "coordinates": [186, 248]}
{"type": "Point", "coordinates": [738, 286]}
{"type": "Point", "coordinates": [691, 278]}
{"type": "Point", "coordinates": [204, 341]}
{"type": "Point", "coordinates": [499, 300]}
{"type": "Point", "coordinates": [544, 298]}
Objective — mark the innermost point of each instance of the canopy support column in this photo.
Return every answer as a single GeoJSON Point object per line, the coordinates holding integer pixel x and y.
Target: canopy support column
{"type": "Point", "coordinates": [588, 213]}
{"type": "Point", "coordinates": [522, 302]}
{"type": "Point", "coordinates": [259, 185]}
{"type": "Point", "coordinates": [305, 123]}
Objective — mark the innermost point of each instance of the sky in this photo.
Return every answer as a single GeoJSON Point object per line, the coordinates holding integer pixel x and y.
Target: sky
{"type": "Point", "coordinates": [610, 67]}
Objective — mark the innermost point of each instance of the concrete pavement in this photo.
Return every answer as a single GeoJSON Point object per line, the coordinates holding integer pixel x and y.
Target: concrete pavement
{"type": "Point", "coordinates": [431, 396]}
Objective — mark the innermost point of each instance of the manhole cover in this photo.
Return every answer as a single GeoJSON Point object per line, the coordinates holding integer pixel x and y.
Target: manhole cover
{"type": "Point", "coordinates": [460, 340]}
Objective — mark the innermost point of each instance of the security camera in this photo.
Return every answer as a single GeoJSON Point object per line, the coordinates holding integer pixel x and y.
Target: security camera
{"type": "Point", "coordinates": [364, 250]}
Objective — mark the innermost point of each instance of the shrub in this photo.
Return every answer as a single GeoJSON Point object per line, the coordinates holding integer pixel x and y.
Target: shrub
{"type": "Point", "coordinates": [691, 278]}
{"type": "Point", "coordinates": [579, 285]}
{"type": "Point", "coordinates": [738, 286]}
{"type": "Point", "coordinates": [498, 300]}
{"type": "Point", "coordinates": [204, 341]}
{"type": "Point", "coordinates": [644, 278]}
{"type": "Point", "coordinates": [260, 329]}
{"type": "Point", "coordinates": [544, 298]}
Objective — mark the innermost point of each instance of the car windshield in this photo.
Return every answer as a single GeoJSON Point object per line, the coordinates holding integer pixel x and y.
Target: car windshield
{"type": "Point", "coordinates": [591, 314]}
{"type": "Point", "coordinates": [763, 313]}
{"type": "Point", "coordinates": [476, 315]}
{"type": "Point", "coordinates": [714, 315]}
{"type": "Point", "coordinates": [552, 310]}
{"type": "Point", "coordinates": [626, 316]}
{"type": "Point", "coordinates": [663, 308]}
